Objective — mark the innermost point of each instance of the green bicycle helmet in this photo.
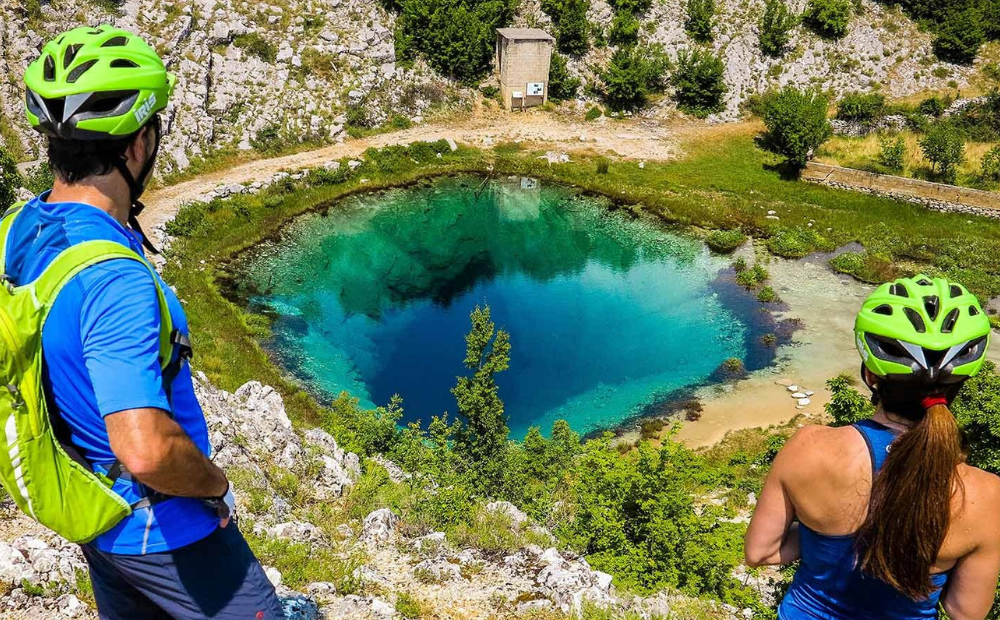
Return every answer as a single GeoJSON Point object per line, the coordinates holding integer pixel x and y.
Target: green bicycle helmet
{"type": "Point", "coordinates": [95, 84]}
{"type": "Point", "coordinates": [923, 330]}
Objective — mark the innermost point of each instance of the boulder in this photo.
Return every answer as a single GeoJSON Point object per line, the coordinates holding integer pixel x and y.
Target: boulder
{"type": "Point", "coordinates": [517, 518]}
{"type": "Point", "coordinates": [379, 527]}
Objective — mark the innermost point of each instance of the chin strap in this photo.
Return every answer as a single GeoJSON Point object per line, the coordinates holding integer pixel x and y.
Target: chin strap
{"type": "Point", "coordinates": [136, 188]}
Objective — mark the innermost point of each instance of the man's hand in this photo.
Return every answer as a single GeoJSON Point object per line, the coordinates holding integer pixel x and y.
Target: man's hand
{"type": "Point", "coordinates": [157, 452]}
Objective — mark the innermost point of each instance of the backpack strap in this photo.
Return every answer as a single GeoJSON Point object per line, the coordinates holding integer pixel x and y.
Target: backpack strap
{"type": "Point", "coordinates": [6, 223]}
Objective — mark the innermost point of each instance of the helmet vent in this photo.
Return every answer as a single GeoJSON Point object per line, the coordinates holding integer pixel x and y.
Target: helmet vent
{"type": "Point", "coordinates": [973, 311]}
{"type": "Point", "coordinates": [918, 322]}
{"type": "Point", "coordinates": [932, 304]}
{"type": "Point", "coordinates": [49, 69]}
{"type": "Point", "coordinates": [116, 42]}
{"type": "Point", "coordinates": [924, 282]}
{"type": "Point", "coordinates": [898, 290]}
{"type": "Point", "coordinates": [123, 63]}
{"type": "Point", "coordinates": [71, 53]}
{"type": "Point", "coordinates": [949, 322]}
{"type": "Point", "coordinates": [956, 291]}
{"type": "Point", "coordinates": [885, 309]}
{"type": "Point", "coordinates": [80, 70]}
{"type": "Point", "coordinates": [59, 42]}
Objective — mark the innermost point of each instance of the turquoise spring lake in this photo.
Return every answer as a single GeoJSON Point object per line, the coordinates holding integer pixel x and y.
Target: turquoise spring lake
{"type": "Point", "coordinates": [609, 316]}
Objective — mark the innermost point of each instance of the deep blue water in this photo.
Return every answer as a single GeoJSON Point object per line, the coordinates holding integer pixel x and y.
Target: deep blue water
{"type": "Point", "coordinates": [606, 314]}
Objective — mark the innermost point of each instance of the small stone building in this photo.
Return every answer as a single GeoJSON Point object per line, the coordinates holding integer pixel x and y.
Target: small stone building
{"type": "Point", "coordinates": [523, 56]}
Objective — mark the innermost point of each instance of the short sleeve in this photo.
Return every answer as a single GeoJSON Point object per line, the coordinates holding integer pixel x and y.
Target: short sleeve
{"type": "Point", "coordinates": [120, 334]}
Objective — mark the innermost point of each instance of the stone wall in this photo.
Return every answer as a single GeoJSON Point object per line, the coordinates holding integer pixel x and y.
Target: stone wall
{"type": "Point", "coordinates": [521, 62]}
{"type": "Point", "coordinates": [935, 196]}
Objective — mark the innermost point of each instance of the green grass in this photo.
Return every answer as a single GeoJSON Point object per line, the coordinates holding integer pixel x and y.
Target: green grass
{"type": "Point", "coordinates": [301, 564]}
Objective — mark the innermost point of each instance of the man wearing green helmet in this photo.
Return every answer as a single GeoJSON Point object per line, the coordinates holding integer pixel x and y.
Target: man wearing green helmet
{"type": "Point", "coordinates": [129, 415]}
{"type": "Point", "coordinates": [885, 515]}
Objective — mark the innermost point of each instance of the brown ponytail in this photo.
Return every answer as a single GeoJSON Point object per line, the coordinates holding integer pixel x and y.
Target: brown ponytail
{"type": "Point", "coordinates": [910, 507]}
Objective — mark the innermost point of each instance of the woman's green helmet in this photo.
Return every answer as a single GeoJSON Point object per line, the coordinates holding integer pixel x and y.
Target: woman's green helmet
{"type": "Point", "coordinates": [95, 84]}
{"type": "Point", "coordinates": [925, 330]}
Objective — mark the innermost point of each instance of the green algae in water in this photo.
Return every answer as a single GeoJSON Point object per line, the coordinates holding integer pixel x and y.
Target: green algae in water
{"type": "Point", "coordinates": [607, 314]}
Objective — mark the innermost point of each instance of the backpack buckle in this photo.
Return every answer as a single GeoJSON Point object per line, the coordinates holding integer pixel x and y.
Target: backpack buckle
{"type": "Point", "coordinates": [7, 282]}
{"type": "Point", "coordinates": [16, 394]}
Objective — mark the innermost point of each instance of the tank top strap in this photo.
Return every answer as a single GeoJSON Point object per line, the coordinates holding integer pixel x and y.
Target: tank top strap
{"type": "Point", "coordinates": [879, 439]}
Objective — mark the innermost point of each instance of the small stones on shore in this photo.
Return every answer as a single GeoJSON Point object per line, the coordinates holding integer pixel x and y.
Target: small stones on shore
{"type": "Point", "coordinates": [793, 388]}
{"type": "Point", "coordinates": [799, 394]}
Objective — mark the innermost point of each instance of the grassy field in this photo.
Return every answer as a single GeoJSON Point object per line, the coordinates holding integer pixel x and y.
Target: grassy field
{"type": "Point", "coordinates": [724, 182]}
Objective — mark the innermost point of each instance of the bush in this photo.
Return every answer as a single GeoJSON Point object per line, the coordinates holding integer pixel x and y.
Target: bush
{"type": "Point", "coordinates": [861, 107]}
{"type": "Point", "coordinates": [990, 167]}
{"type": "Point", "coordinates": [944, 147]}
{"type": "Point", "coordinates": [933, 106]}
{"type": "Point", "coordinates": [255, 45]}
{"type": "Point", "coordinates": [10, 180]}
{"type": "Point", "coordinates": [847, 405]}
{"type": "Point", "coordinates": [829, 18]}
{"type": "Point", "coordinates": [40, 179]}
{"type": "Point", "coordinates": [572, 27]}
{"type": "Point", "coordinates": [635, 7]}
{"type": "Point", "coordinates": [268, 140]}
{"type": "Point", "coordinates": [796, 123]}
{"type": "Point", "coordinates": [562, 85]}
{"type": "Point", "coordinates": [594, 113]}
{"type": "Point", "coordinates": [603, 165]}
{"type": "Point", "coordinates": [892, 153]}
{"type": "Point", "coordinates": [793, 242]}
{"type": "Point", "coordinates": [699, 82]}
{"type": "Point", "coordinates": [753, 277]}
{"type": "Point", "coordinates": [624, 29]}
{"type": "Point", "coordinates": [776, 27]}
{"type": "Point", "coordinates": [725, 241]}
{"type": "Point", "coordinates": [960, 37]}
{"type": "Point", "coordinates": [740, 265]}
{"type": "Point", "coordinates": [632, 75]}
{"type": "Point", "coordinates": [700, 19]}
{"type": "Point", "coordinates": [767, 295]}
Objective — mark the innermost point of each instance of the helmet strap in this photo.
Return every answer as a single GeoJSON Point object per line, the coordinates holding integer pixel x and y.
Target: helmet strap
{"type": "Point", "coordinates": [136, 187]}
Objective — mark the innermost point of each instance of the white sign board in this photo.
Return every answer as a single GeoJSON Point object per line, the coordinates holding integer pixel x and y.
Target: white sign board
{"type": "Point", "coordinates": [517, 95]}
{"type": "Point", "coordinates": [536, 89]}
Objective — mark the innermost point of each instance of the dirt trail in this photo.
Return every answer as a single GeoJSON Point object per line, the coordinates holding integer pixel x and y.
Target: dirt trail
{"type": "Point", "coordinates": [633, 140]}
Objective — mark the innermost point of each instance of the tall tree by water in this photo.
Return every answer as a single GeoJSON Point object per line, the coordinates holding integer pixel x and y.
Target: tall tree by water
{"type": "Point", "coordinates": [482, 437]}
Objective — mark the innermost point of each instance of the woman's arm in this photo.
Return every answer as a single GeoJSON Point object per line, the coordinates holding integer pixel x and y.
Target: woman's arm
{"type": "Point", "coordinates": [773, 537]}
{"type": "Point", "coordinates": [973, 582]}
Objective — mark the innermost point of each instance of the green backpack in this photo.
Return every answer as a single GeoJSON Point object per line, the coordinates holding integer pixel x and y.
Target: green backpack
{"type": "Point", "coordinates": [57, 490]}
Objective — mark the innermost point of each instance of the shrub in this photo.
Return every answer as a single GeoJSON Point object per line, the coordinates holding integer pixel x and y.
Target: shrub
{"type": "Point", "coordinates": [793, 242]}
{"type": "Point", "coordinates": [189, 219]}
{"type": "Point", "coordinates": [269, 140]}
{"type": "Point", "coordinates": [776, 27]}
{"type": "Point", "coordinates": [624, 29]}
{"type": "Point", "coordinates": [796, 123]}
{"type": "Point", "coordinates": [632, 75]}
{"type": "Point", "coordinates": [861, 107]}
{"type": "Point", "coordinates": [725, 241]}
{"type": "Point", "coordinates": [603, 165]}
{"type": "Point", "coordinates": [40, 179]}
{"type": "Point", "coordinates": [847, 405]}
{"type": "Point", "coordinates": [255, 45]}
{"type": "Point", "coordinates": [594, 113]}
{"type": "Point", "coordinates": [315, 62]}
{"type": "Point", "coordinates": [990, 168]}
{"type": "Point", "coordinates": [892, 153]}
{"type": "Point", "coordinates": [733, 365]}
{"type": "Point", "coordinates": [10, 180]}
{"type": "Point", "coordinates": [572, 27]}
{"type": "Point", "coordinates": [700, 19]}
{"type": "Point", "coordinates": [409, 607]}
{"type": "Point", "coordinates": [829, 18]}
{"type": "Point", "coordinates": [769, 340]}
{"type": "Point", "coordinates": [767, 295]}
{"type": "Point", "coordinates": [740, 265]}
{"type": "Point", "coordinates": [699, 82]}
{"type": "Point", "coordinates": [562, 85]}
{"type": "Point", "coordinates": [933, 106]}
{"type": "Point", "coordinates": [960, 37]}
{"type": "Point", "coordinates": [635, 7]}
{"type": "Point", "coordinates": [944, 147]}
{"type": "Point", "coordinates": [753, 277]}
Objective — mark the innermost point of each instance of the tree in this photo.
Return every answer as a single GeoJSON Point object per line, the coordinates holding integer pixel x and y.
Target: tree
{"type": "Point", "coordinates": [482, 437]}
{"type": "Point", "coordinates": [944, 147]}
{"type": "Point", "coordinates": [776, 27]}
{"type": "Point", "coordinates": [624, 29]}
{"type": "Point", "coordinates": [829, 18]}
{"type": "Point", "coordinates": [10, 180]}
{"type": "Point", "coordinates": [635, 7]}
{"type": "Point", "coordinates": [700, 19]}
{"type": "Point", "coordinates": [861, 107]}
{"type": "Point", "coordinates": [990, 167]}
{"type": "Point", "coordinates": [977, 410]}
{"type": "Point", "coordinates": [562, 85]}
{"type": "Point", "coordinates": [700, 83]}
{"type": "Point", "coordinates": [572, 27]}
{"type": "Point", "coordinates": [847, 405]}
{"type": "Point", "coordinates": [632, 75]}
{"type": "Point", "coordinates": [796, 123]}
{"type": "Point", "coordinates": [892, 153]}
{"type": "Point", "coordinates": [960, 37]}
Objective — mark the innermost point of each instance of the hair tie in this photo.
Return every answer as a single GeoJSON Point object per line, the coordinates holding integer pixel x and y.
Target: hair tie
{"type": "Point", "coordinates": [932, 401]}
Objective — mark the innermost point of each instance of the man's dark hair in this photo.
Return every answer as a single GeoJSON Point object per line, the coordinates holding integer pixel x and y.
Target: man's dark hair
{"type": "Point", "coordinates": [75, 160]}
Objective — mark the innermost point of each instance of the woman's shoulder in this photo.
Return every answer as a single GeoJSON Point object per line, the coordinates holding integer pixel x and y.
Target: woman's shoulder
{"type": "Point", "coordinates": [817, 445]}
{"type": "Point", "coordinates": [982, 488]}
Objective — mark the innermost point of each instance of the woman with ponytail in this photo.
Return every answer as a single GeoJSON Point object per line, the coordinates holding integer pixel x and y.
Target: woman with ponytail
{"type": "Point", "coordinates": [885, 515]}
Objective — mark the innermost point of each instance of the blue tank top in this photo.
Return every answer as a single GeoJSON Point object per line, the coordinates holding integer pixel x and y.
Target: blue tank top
{"type": "Point", "coordinates": [828, 586]}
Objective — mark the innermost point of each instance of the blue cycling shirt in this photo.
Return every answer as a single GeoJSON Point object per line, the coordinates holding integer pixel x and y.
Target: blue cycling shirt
{"type": "Point", "coordinates": [101, 349]}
